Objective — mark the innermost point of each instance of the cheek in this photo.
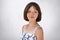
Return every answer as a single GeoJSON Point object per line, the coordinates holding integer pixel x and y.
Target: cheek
{"type": "Point", "coordinates": [27, 15]}
{"type": "Point", "coordinates": [36, 15]}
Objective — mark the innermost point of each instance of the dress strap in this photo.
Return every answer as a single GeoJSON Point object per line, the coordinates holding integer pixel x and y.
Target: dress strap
{"type": "Point", "coordinates": [24, 28]}
{"type": "Point", "coordinates": [35, 29]}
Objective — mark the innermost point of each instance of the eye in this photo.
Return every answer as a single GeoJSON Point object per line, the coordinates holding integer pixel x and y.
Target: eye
{"type": "Point", "coordinates": [29, 12]}
{"type": "Point", "coordinates": [35, 12]}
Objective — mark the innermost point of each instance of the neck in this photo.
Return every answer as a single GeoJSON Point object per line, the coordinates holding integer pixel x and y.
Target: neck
{"type": "Point", "coordinates": [32, 23]}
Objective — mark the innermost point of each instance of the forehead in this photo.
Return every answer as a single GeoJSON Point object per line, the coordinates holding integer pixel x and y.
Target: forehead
{"type": "Point", "coordinates": [32, 8]}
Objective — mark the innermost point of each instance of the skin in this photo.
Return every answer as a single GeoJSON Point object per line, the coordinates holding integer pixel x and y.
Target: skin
{"type": "Point", "coordinates": [32, 15]}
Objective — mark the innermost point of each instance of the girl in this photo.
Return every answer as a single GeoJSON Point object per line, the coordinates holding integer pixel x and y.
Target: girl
{"type": "Point", "coordinates": [32, 30]}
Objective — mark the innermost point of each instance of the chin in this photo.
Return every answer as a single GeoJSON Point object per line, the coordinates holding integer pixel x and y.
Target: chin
{"type": "Point", "coordinates": [32, 20]}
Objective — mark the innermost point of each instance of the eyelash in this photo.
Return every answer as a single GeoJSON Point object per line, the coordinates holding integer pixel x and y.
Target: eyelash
{"type": "Point", "coordinates": [30, 11]}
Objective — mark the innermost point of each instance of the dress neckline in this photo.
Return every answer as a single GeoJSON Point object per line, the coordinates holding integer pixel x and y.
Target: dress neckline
{"type": "Point", "coordinates": [30, 32]}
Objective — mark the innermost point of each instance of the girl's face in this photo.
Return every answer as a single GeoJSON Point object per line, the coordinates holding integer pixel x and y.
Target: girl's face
{"type": "Point", "coordinates": [32, 14]}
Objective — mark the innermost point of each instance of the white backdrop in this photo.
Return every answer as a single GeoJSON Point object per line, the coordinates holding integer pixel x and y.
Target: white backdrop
{"type": "Point", "coordinates": [11, 18]}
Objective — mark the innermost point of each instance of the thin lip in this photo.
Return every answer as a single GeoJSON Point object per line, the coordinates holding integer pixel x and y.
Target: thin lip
{"type": "Point", "coordinates": [31, 17]}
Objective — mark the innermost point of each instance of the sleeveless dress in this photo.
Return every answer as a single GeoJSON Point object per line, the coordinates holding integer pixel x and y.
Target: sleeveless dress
{"type": "Point", "coordinates": [29, 36]}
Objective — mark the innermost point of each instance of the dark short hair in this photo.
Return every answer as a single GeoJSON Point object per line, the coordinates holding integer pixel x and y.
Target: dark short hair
{"type": "Point", "coordinates": [37, 8]}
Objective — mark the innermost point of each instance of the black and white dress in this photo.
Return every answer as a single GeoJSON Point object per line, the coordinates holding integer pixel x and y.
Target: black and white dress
{"type": "Point", "coordinates": [29, 36]}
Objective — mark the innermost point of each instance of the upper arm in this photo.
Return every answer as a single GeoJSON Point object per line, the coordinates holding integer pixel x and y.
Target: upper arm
{"type": "Point", "coordinates": [39, 34]}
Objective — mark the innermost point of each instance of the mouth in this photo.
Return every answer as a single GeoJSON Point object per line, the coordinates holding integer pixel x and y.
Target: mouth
{"type": "Point", "coordinates": [31, 17]}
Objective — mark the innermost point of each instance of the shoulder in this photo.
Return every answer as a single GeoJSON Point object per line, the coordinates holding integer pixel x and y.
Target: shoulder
{"type": "Point", "coordinates": [24, 26]}
{"type": "Point", "coordinates": [39, 30]}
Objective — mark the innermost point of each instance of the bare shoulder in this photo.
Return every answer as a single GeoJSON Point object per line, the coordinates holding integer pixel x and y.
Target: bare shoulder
{"type": "Point", "coordinates": [23, 27]}
{"type": "Point", "coordinates": [39, 33]}
{"type": "Point", "coordinates": [39, 30]}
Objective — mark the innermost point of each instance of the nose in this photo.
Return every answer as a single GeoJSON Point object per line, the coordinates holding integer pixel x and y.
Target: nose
{"type": "Point", "coordinates": [32, 13]}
